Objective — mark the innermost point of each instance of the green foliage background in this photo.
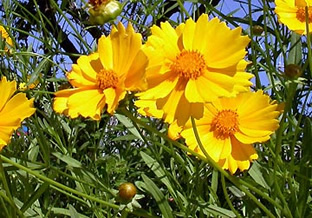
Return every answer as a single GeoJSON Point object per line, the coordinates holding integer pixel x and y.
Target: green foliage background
{"type": "Point", "coordinates": [62, 167]}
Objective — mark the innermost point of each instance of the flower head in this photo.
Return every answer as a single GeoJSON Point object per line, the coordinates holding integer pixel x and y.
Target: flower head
{"type": "Point", "coordinates": [230, 126]}
{"type": "Point", "coordinates": [13, 110]}
{"type": "Point", "coordinates": [195, 63]}
{"type": "Point", "coordinates": [103, 78]}
{"type": "Point", "coordinates": [5, 36]}
{"type": "Point", "coordinates": [293, 13]}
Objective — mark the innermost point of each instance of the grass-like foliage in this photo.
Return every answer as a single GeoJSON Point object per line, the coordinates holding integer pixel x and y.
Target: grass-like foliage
{"type": "Point", "coordinates": [55, 165]}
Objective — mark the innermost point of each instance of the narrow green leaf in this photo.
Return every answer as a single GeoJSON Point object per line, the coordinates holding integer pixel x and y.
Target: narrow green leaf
{"type": "Point", "coordinates": [295, 53]}
{"type": "Point", "coordinates": [160, 173]}
{"type": "Point", "coordinates": [73, 212]}
{"type": "Point", "coordinates": [256, 174]}
{"type": "Point", "coordinates": [305, 169]}
{"type": "Point", "coordinates": [35, 196]}
{"type": "Point", "coordinates": [220, 212]}
{"type": "Point", "coordinates": [129, 125]}
{"type": "Point", "coordinates": [159, 197]}
{"type": "Point", "coordinates": [69, 160]}
{"type": "Point", "coordinates": [65, 212]}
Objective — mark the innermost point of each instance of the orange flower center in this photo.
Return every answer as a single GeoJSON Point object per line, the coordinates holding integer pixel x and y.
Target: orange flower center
{"type": "Point", "coordinates": [225, 124]}
{"type": "Point", "coordinates": [189, 65]}
{"type": "Point", "coordinates": [106, 79]}
{"type": "Point", "coordinates": [301, 14]}
{"type": "Point", "coordinates": [97, 3]}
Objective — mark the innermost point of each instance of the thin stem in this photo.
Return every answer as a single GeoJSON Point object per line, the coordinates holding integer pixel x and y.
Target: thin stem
{"type": "Point", "coordinates": [227, 198]}
{"type": "Point", "coordinates": [7, 190]}
{"type": "Point", "coordinates": [229, 177]}
{"type": "Point", "coordinates": [237, 182]}
{"type": "Point", "coordinates": [65, 188]}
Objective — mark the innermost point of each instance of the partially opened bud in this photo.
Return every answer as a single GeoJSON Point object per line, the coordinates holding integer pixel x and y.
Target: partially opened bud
{"type": "Point", "coordinates": [103, 11]}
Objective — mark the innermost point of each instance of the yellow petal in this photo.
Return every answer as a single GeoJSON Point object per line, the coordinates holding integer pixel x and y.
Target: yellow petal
{"type": "Point", "coordinates": [18, 107]}
{"type": "Point", "coordinates": [105, 50]}
{"type": "Point", "coordinates": [7, 90]}
{"type": "Point", "coordinates": [91, 108]}
{"type": "Point", "coordinates": [135, 78]}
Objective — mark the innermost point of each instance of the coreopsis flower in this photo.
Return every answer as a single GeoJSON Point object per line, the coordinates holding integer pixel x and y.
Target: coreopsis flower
{"type": "Point", "coordinates": [102, 11]}
{"type": "Point", "coordinates": [230, 127]}
{"type": "Point", "coordinates": [195, 63]}
{"type": "Point", "coordinates": [5, 36]}
{"type": "Point", "coordinates": [292, 13]}
{"type": "Point", "coordinates": [13, 110]}
{"type": "Point", "coordinates": [23, 86]}
{"type": "Point", "coordinates": [103, 78]}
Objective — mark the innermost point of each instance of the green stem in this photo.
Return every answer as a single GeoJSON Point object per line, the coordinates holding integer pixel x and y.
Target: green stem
{"type": "Point", "coordinates": [183, 8]}
{"type": "Point", "coordinates": [65, 188]}
{"type": "Point", "coordinates": [7, 190]}
{"type": "Point", "coordinates": [227, 198]}
{"type": "Point", "coordinates": [239, 183]}
{"type": "Point", "coordinates": [224, 173]}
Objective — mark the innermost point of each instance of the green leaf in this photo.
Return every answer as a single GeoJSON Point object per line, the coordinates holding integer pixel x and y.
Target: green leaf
{"type": "Point", "coordinates": [305, 169]}
{"type": "Point", "coordinates": [129, 125]}
{"type": "Point", "coordinates": [73, 212]}
{"type": "Point", "coordinates": [66, 212]}
{"type": "Point", "coordinates": [219, 211]}
{"type": "Point", "coordinates": [256, 174]}
{"type": "Point", "coordinates": [295, 53]}
{"type": "Point", "coordinates": [69, 160]}
{"type": "Point", "coordinates": [160, 173]}
{"type": "Point", "coordinates": [35, 196]}
{"type": "Point", "coordinates": [159, 197]}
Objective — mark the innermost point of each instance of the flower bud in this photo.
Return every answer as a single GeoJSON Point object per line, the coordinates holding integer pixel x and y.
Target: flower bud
{"type": "Point", "coordinates": [257, 30]}
{"type": "Point", "coordinates": [292, 71]}
{"type": "Point", "coordinates": [104, 12]}
{"type": "Point", "coordinates": [127, 191]}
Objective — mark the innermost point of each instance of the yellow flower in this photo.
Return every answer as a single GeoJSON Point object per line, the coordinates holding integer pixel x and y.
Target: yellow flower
{"type": "Point", "coordinates": [5, 36]}
{"type": "Point", "coordinates": [23, 85]}
{"type": "Point", "coordinates": [103, 78]}
{"type": "Point", "coordinates": [292, 13]}
{"type": "Point", "coordinates": [192, 64]}
{"type": "Point", "coordinates": [230, 126]}
{"type": "Point", "coordinates": [13, 110]}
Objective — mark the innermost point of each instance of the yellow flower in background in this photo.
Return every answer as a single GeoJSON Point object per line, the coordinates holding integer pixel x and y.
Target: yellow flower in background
{"type": "Point", "coordinates": [195, 63]}
{"type": "Point", "coordinates": [23, 86]}
{"type": "Point", "coordinates": [103, 78]}
{"type": "Point", "coordinates": [13, 110]}
{"type": "Point", "coordinates": [292, 13]}
{"type": "Point", "coordinates": [230, 126]}
{"type": "Point", "coordinates": [5, 36]}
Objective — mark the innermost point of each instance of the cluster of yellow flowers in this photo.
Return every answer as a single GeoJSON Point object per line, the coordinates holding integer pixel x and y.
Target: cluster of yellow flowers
{"type": "Point", "coordinates": [196, 70]}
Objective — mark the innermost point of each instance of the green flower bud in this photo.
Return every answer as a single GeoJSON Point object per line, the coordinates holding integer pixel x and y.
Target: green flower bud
{"type": "Point", "coordinates": [104, 13]}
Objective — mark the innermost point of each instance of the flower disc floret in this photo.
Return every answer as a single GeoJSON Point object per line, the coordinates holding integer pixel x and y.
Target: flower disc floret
{"type": "Point", "coordinates": [301, 14]}
{"type": "Point", "coordinates": [189, 65]}
{"type": "Point", "coordinates": [225, 124]}
{"type": "Point", "coordinates": [106, 79]}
